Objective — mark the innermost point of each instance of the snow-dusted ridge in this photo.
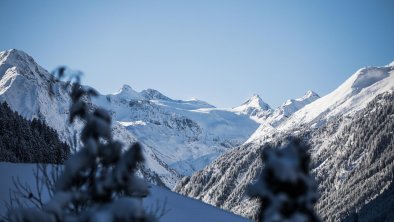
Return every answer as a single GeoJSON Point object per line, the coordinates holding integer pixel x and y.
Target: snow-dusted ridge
{"type": "Point", "coordinates": [291, 106]}
{"type": "Point", "coordinates": [354, 94]}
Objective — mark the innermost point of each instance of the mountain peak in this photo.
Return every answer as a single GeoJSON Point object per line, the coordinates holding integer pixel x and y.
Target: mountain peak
{"type": "Point", "coordinates": [126, 92]}
{"type": "Point", "coordinates": [310, 94]}
{"type": "Point", "coordinates": [308, 97]}
{"type": "Point", "coordinates": [256, 97]}
{"type": "Point", "coordinates": [21, 62]}
{"type": "Point", "coordinates": [256, 102]}
{"type": "Point", "coordinates": [153, 94]}
{"type": "Point", "coordinates": [126, 88]}
{"type": "Point", "coordinates": [15, 56]}
{"type": "Point", "coordinates": [254, 106]}
{"type": "Point", "coordinates": [366, 77]}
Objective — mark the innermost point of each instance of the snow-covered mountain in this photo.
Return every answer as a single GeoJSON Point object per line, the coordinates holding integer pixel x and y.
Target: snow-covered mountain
{"type": "Point", "coordinates": [351, 96]}
{"type": "Point", "coordinates": [180, 137]}
{"type": "Point", "coordinates": [354, 94]}
{"type": "Point", "coordinates": [351, 133]}
{"type": "Point", "coordinates": [186, 135]}
{"type": "Point", "coordinates": [24, 85]}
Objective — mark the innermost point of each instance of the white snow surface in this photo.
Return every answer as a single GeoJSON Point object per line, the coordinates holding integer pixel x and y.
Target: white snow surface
{"type": "Point", "coordinates": [180, 208]}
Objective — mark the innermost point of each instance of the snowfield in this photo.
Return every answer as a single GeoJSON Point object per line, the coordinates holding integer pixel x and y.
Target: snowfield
{"type": "Point", "coordinates": [180, 208]}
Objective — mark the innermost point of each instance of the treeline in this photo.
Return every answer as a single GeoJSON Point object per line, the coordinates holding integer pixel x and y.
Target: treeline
{"type": "Point", "coordinates": [26, 141]}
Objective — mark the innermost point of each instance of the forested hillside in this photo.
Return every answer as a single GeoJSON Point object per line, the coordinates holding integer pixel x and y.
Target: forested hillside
{"type": "Point", "coordinates": [352, 159]}
{"type": "Point", "coordinates": [28, 141]}
{"type": "Point", "coordinates": [354, 162]}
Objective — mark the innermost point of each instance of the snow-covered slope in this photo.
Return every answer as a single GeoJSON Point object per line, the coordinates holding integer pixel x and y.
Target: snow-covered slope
{"type": "Point", "coordinates": [352, 152]}
{"type": "Point", "coordinates": [186, 135]}
{"type": "Point", "coordinates": [354, 94]}
{"type": "Point", "coordinates": [179, 208]}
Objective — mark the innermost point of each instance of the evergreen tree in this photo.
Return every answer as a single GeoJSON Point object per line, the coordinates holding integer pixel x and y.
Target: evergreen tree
{"type": "Point", "coordinates": [22, 140]}
{"type": "Point", "coordinates": [286, 190]}
{"type": "Point", "coordinates": [98, 182]}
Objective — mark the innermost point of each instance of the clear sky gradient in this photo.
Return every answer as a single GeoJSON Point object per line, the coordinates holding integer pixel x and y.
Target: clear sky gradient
{"type": "Point", "coordinates": [218, 51]}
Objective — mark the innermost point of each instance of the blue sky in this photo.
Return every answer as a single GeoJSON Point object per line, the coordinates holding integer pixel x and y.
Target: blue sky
{"type": "Point", "coordinates": [218, 51]}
